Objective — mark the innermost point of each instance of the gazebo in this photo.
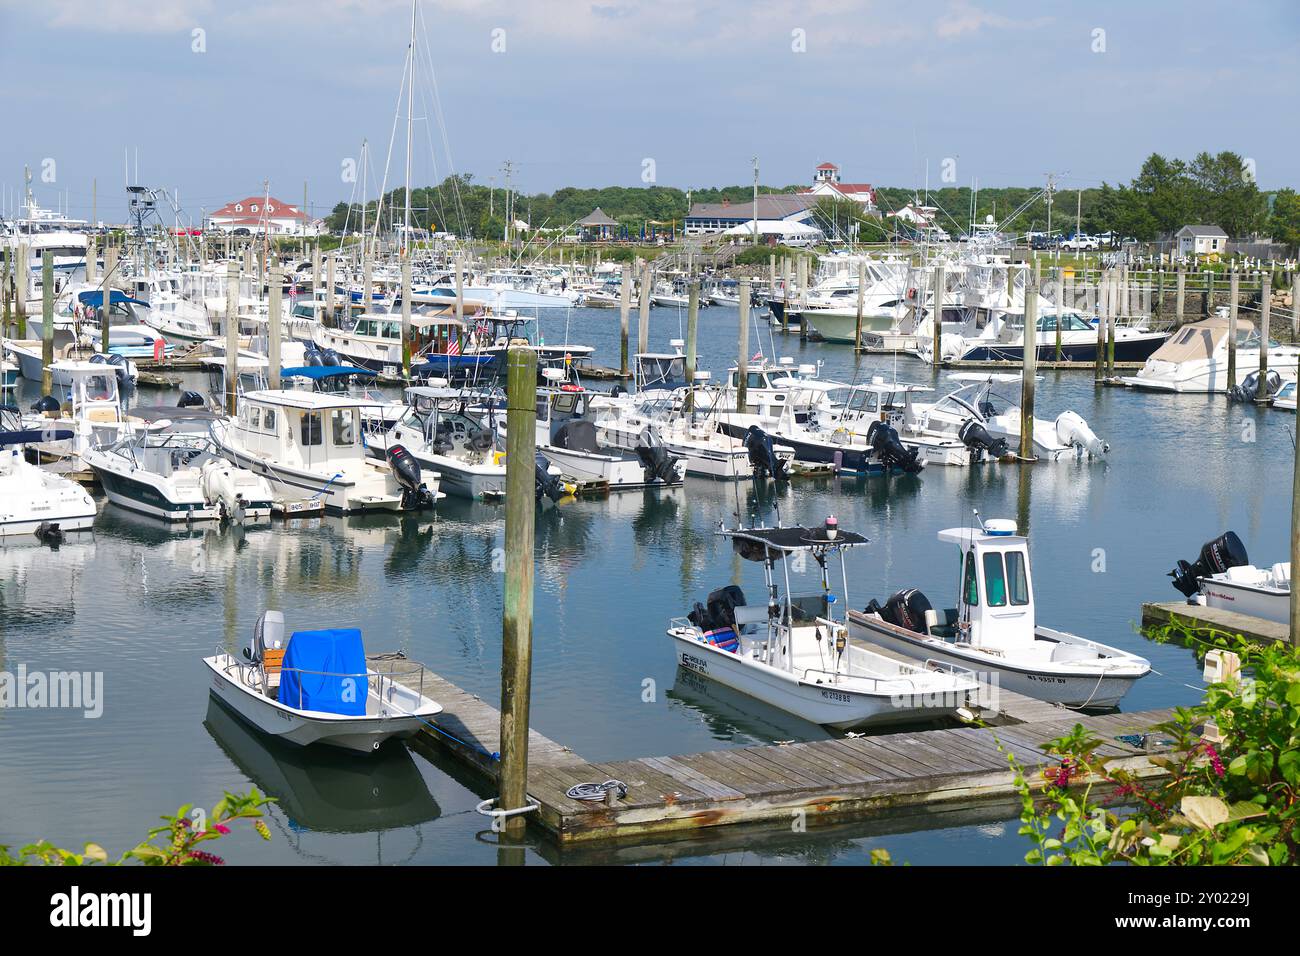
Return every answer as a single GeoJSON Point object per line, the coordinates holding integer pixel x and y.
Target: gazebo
{"type": "Point", "coordinates": [596, 226]}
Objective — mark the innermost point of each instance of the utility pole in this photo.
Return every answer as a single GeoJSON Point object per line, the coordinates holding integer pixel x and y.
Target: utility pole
{"type": "Point", "coordinates": [507, 167]}
{"type": "Point", "coordinates": [755, 200]}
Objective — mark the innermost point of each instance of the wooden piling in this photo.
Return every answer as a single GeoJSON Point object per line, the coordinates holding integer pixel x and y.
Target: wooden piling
{"type": "Point", "coordinates": [1057, 294]}
{"type": "Point", "coordinates": [624, 312]}
{"type": "Point", "coordinates": [232, 338]}
{"type": "Point", "coordinates": [92, 259]}
{"type": "Point", "coordinates": [106, 288]}
{"type": "Point", "coordinates": [517, 618]}
{"type": "Point", "coordinates": [1030, 353]}
{"type": "Point", "coordinates": [862, 294]}
{"type": "Point", "coordinates": [406, 316]}
{"type": "Point", "coordinates": [1232, 329]}
{"type": "Point", "coordinates": [1209, 293]}
{"type": "Point", "coordinates": [331, 321]}
{"type": "Point", "coordinates": [460, 289]}
{"type": "Point", "coordinates": [936, 311]}
{"type": "Point", "coordinates": [742, 365]}
{"type": "Point", "coordinates": [692, 327]}
{"type": "Point", "coordinates": [1180, 296]}
{"type": "Point", "coordinates": [21, 286]}
{"type": "Point", "coordinates": [5, 284]}
{"type": "Point", "coordinates": [1262, 391]}
{"type": "Point", "coordinates": [275, 291]}
{"type": "Point", "coordinates": [643, 325]}
{"type": "Point", "coordinates": [1099, 361]}
{"type": "Point", "coordinates": [1117, 303]}
{"type": "Point", "coordinates": [47, 322]}
{"type": "Point", "coordinates": [785, 292]}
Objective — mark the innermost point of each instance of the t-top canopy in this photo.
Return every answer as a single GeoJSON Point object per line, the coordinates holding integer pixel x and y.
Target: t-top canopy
{"type": "Point", "coordinates": [789, 540]}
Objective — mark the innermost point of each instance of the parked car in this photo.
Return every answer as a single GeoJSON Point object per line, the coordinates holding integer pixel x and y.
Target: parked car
{"type": "Point", "coordinates": [1081, 243]}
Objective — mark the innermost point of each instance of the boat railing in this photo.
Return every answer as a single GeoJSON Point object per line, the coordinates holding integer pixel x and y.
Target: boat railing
{"type": "Point", "coordinates": [384, 684]}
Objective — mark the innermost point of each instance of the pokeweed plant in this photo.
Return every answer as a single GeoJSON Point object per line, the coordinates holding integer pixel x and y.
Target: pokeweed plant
{"type": "Point", "coordinates": [176, 843]}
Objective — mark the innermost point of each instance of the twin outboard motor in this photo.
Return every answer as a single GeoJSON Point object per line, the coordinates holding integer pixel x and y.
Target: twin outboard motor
{"type": "Point", "coordinates": [883, 438]}
{"type": "Point", "coordinates": [977, 438]}
{"type": "Point", "coordinates": [1248, 390]}
{"type": "Point", "coordinates": [120, 368]}
{"type": "Point", "coordinates": [191, 400]}
{"type": "Point", "coordinates": [1071, 429]}
{"type": "Point", "coordinates": [45, 405]}
{"type": "Point", "coordinates": [720, 610]}
{"type": "Point", "coordinates": [762, 455]}
{"type": "Point", "coordinates": [547, 485]}
{"type": "Point", "coordinates": [330, 358]}
{"type": "Point", "coordinates": [656, 460]}
{"type": "Point", "coordinates": [312, 357]}
{"type": "Point", "coordinates": [906, 609]}
{"type": "Point", "coordinates": [1224, 552]}
{"type": "Point", "coordinates": [415, 494]}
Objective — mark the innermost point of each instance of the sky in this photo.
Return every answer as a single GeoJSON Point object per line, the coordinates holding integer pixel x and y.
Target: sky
{"type": "Point", "coordinates": [218, 97]}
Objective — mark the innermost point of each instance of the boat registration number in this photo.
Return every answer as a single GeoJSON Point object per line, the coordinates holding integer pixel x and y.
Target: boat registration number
{"type": "Point", "coordinates": [836, 695]}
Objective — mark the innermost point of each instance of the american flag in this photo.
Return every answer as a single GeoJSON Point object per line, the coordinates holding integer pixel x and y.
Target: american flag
{"type": "Point", "coordinates": [453, 347]}
{"type": "Point", "coordinates": [293, 295]}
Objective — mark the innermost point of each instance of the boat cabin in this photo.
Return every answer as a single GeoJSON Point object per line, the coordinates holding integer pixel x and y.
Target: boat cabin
{"type": "Point", "coordinates": [312, 429]}
{"type": "Point", "coordinates": [995, 598]}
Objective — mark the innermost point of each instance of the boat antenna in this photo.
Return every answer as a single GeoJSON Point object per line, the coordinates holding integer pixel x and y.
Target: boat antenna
{"type": "Point", "coordinates": [976, 512]}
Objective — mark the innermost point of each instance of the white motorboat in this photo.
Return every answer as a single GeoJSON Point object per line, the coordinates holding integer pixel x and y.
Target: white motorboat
{"type": "Point", "coordinates": [984, 415]}
{"type": "Point", "coordinates": [91, 415]}
{"type": "Point", "coordinates": [791, 652]}
{"type": "Point", "coordinates": [309, 444]}
{"type": "Point", "coordinates": [1223, 577]}
{"type": "Point", "coordinates": [175, 316]}
{"type": "Point", "coordinates": [30, 356]}
{"type": "Point", "coordinates": [169, 471]}
{"type": "Point", "coordinates": [30, 496]}
{"type": "Point", "coordinates": [318, 687]}
{"type": "Point", "coordinates": [993, 630]}
{"type": "Point", "coordinates": [1284, 397]}
{"type": "Point", "coordinates": [1195, 358]}
{"type": "Point", "coordinates": [992, 335]}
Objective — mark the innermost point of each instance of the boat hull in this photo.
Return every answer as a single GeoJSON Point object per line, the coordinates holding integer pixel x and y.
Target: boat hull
{"type": "Point", "coordinates": [1271, 604]}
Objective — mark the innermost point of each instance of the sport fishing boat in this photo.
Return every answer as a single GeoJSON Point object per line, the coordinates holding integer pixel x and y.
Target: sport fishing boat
{"type": "Point", "coordinates": [1001, 338]}
{"type": "Point", "coordinates": [90, 415]}
{"type": "Point", "coordinates": [32, 498]}
{"type": "Point", "coordinates": [1195, 358]}
{"type": "Point", "coordinates": [169, 471]}
{"type": "Point", "coordinates": [993, 629]}
{"type": "Point", "coordinates": [309, 444]}
{"type": "Point", "coordinates": [790, 651]}
{"type": "Point", "coordinates": [318, 687]}
{"type": "Point", "coordinates": [1223, 577]}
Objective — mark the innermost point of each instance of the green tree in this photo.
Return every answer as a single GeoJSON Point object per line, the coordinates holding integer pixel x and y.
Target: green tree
{"type": "Point", "coordinates": [1284, 223]}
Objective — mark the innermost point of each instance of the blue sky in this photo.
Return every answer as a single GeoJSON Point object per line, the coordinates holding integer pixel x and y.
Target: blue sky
{"type": "Point", "coordinates": [582, 93]}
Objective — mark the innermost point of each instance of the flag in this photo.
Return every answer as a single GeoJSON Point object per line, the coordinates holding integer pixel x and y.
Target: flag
{"type": "Point", "coordinates": [453, 347]}
{"type": "Point", "coordinates": [758, 357]}
{"type": "Point", "coordinates": [293, 294]}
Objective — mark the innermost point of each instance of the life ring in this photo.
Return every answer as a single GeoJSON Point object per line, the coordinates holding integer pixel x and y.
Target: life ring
{"type": "Point", "coordinates": [570, 387]}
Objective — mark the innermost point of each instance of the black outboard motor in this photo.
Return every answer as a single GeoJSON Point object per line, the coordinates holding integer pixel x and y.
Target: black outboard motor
{"type": "Point", "coordinates": [415, 494]}
{"type": "Point", "coordinates": [547, 485]}
{"type": "Point", "coordinates": [1224, 552]}
{"type": "Point", "coordinates": [123, 371]}
{"type": "Point", "coordinates": [190, 400]}
{"type": "Point", "coordinates": [883, 438]}
{"type": "Point", "coordinates": [312, 357]}
{"type": "Point", "coordinates": [721, 609]}
{"type": "Point", "coordinates": [1248, 390]}
{"type": "Point", "coordinates": [762, 455]}
{"type": "Point", "coordinates": [46, 404]}
{"type": "Point", "coordinates": [48, 532]}
{"type": "Point", "coordinates": [657, 462]}
{"type": "Point", "coordinates": [906, 609]}
{"type": "Point", "coordinates": [330, 358]}
{"type": "Point", "coordinates": [977, 438]}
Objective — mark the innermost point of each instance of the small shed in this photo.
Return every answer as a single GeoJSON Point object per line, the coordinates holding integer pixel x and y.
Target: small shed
{"type": "Point", "coordinates": [1201, 241]}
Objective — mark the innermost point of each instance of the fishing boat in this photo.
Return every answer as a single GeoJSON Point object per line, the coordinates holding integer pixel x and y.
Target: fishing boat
{"type": "Point", "coordinates": [90, 415]}
{"type": "Point", "coordinates": [993, 630]}
{"type": "Point", "coordinates": [1195, 358]}
{"type": "Point", "coordinates": [1223, 577]}
{"type": "Point", "coordinates": [169, 471]}
{"type": "Point", "coordinates": [31, 498]}
{"type": "Point", "coordinates": [995, 336]}
{"type": "Point", "coordinates": [317, 687]}
{"type": "Point", "coordinates": [1284, 397]}
{"type": "Point", "coordinates": [309, 444]}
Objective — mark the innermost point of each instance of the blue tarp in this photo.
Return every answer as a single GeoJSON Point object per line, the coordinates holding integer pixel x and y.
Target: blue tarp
{"type": "Point", "coordinates": [451, 363]}
{"type": "Point", "coordinates": [95, 298]}
{"type": "Point", "coordinates": [318, 372]}
{"type": "Point", "coordinates": [311, 656]}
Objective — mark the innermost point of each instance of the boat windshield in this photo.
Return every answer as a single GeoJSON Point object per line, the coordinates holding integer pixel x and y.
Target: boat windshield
{"type": "Point", "coordinates": [806, 608]}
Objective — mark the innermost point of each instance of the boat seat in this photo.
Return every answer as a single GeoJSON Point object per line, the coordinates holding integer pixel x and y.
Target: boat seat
{"type": "Point", "coordinates": [1281, 573]}
{"type": "Point", "coordinates": [948, 629]}
{"type": "Point", "coordinates": [748, 614]}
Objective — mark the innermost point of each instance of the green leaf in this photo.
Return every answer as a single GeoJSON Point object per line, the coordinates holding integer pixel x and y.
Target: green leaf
{"type": "Point", "coordinates": [1205, 813]}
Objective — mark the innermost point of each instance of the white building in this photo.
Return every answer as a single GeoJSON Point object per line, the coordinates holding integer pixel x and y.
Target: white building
{"type": "Point", "coordinates": [261, 214]}
{"type": "Point", "coordinates": [826, 182]}
{"type": "Point", "coordinates": [1201, 241]}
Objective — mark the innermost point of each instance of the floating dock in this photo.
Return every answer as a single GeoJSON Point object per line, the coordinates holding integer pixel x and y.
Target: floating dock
{"type": "Point", "coordinates": [819, 782]}
{"type": "Point", "coordinates": [1209, 621]}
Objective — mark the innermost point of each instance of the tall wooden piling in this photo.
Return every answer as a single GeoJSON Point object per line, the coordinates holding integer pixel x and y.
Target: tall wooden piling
{"type": "Point", "coordinates": [1232, 329]}
{"type": "Point", "coordinates": [331, 321]}
{"type": "Point", "coordinates": [936, 311]}
{"type": "Point", "coordinates": [1209, 292]}
{"type": "Point", "coordinates": [1180, 296]}
{"type": "Point", "coordinates": [21, 285]}
{"type": "Point", "coordinates": [406, 317]}
{"type": "Point", "coordinates": [275, 291]}
{"type": "Point", "coordinates": [624, 312]}
{"type": "Point", "coordinates": [1262, 396]}
{"type": "Point", "coordinates": [643, 325]}
{"type": "Point", "coordinates": [517, 618]}
{"type": "Point", "coordinates": [5, 283]}
{"type": "Point", "coordinates": [460, 289]}
{"type": "Point", "coordinates": [1099, 362]}
{"type": "Point", "coordinates": [862, 293]}
{"type": "Point", "coordinates": [1057, 295]}
{"type": "Point", "coordinates": [785, 292]}
{"type": "Point", "coordinates": [111, 255]}
{"type": "Point", "coordinates": [742, 365]}
{"type": "Point", "coordinates": [47, 322]}
{"type": "Point", "coordinates": [92, 259]}
{"type": "Point", "coordinates": [692, 327]}
{"type": "Point", "coordinates": [232, 338]}
{"type": "Point", "coordinates": [1117, 304]}
{"type": "Point", "coordinates": [1029, 367]}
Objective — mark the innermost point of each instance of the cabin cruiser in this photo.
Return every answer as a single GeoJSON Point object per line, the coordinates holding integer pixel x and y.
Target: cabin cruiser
{"type": "Point", "coordinates": [374, 341]}
{"type": "Point", "coordinates": [318, 687]}
{"type": "Point", "coordinates": [792, 652]}
{"type": "Point", "coordinates": [168, 311]}
{"type": "Point", "coordinates": [494, 334]}
{"type": "Point", "coordinates": [1223, 577]}
{"type": "Point", "coordinates": [997, 336]}
{"type": "Point", "coordinates": [309, 445]}
{"type": "Point", "coordinates": [1195, 358]}
{"type": "Point", "coordinates": [169, 471]}
{"type": "Point", "coordinates": [985, 417]}
{"type": "Point", "coordinates": [31, 498]}
{"type": "Point", "coordinates": [993, 629]}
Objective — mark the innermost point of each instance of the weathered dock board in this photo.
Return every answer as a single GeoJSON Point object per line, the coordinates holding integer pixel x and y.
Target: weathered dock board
{"type": "Point", "coordinates": [1204, 621]}
{"type": "Point", "coordinates": [823, 781]}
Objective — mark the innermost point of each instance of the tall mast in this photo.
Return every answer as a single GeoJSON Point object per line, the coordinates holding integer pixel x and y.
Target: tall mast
{"type": "Point", "coordinates": [410, 91]}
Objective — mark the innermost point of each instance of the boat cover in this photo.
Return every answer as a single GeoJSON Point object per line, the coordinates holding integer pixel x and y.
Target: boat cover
{"type": "Point", "coordinates": [325, 671]}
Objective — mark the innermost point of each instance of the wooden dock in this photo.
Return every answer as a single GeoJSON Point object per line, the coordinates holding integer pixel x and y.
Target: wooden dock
{"type": "Point", "coordinates": [819, 782]}
{"type": "Point", "coordinates": [1208, 621]}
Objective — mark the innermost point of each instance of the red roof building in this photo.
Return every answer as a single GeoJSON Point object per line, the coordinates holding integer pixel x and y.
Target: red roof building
{"type": "Point", "coordinates": [259, 214]}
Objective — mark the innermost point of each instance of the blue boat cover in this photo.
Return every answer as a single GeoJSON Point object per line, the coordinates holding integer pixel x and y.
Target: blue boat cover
{"type": "Point", "coordinates": [318, 372]}
{"type": "Point", "coordinates": [310, 657]}
{"type": "Point", "coordinates": [95, 298]}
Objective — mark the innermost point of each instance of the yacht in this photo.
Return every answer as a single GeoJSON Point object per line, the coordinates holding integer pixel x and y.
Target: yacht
{"type": "Point", "coordinates": [993, 629]}
{"type": "Point", "coordinates": [994, 336]}
{"type": "Point", "coordinates": [1195, 358]}
{"type": "Point", "coordinates": [796, 653]}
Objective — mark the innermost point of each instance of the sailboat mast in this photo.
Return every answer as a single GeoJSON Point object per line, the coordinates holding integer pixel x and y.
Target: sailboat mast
{"type": "Point", "coordinates": [410, 91]}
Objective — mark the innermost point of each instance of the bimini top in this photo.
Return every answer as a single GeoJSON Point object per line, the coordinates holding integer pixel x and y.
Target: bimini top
{"type": "Point", "coordinates": [318, 372]}
{"type": "Point", "coordinates": [299, 398]}
{"type": "Point", "coordinates": [95, 298]}
{"type": "Point", "coordinates": [789, 540]}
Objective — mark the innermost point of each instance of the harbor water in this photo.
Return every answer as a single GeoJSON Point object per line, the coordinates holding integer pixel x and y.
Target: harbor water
{"type": "Point", "coordinates": [141, 603]}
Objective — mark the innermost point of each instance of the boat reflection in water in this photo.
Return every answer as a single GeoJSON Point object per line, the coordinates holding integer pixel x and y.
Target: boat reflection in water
{"type": "Point", "coordinates": [320, 790]}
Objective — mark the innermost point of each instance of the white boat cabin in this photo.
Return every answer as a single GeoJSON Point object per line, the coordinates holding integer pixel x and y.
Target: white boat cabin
{"type": "Point", "coordinates": [310, 430]}
{"type": "Point", "coordinates": [995, 598]}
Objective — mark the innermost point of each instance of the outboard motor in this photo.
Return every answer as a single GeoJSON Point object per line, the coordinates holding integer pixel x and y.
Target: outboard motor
{"type": "Point", "coordinates": [762, 455]}
{"type": "Point", "coordinates": [720, 610]}
{"type": "Point", "coordinates": [1071, 429]}
{"type": "Point", "coordinates": [883, 438]}
{"type": "Point", "coordinates": [977, 438]}
{"type": "Point", "coordinates": [656, 460]}
{"type": "Point", "coordinates": [547, 485]}
{"type": "Point", "coordinates": [1248, 390]}
{"type": "Point", "coordinates": [1224, 552]}
{"type": "Point", "coordinates": [268, 634]}
{"type": "Point", "coordinates": [46, 405]}
{"type": "Point", "coordinates": [415, 494]}
{"type": "Point", "coordinates": [906, 609]}
{"type": "Point", "coordinates": [330, 358]}
{"type": "Point", "coordinates": [312, 357]}
{"type": "Point", "coordinates": [48, 532]}
{"type": "Point", "coordinates": [123, 371]}
{"type": "Point", "coordinates": [191, 400]}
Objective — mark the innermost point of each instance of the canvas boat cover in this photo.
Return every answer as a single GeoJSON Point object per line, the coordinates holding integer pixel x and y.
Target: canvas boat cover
{"type": "Point", "coordinates": [1198, 341]}
{"type": "Point", "coordinates": [325, 671]}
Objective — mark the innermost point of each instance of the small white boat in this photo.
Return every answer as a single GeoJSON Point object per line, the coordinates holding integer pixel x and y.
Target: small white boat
{"type": "Point", "coordinates": [317, 687]}
{"type": "Point", "coordinates": [1195, 358]}
{"type": "Point", "coordinates": [993, 630]}
{"type": "Point", "coordinates": [30, 496]}
{"type": "Point", "coordinates": [1284, 398]}
{"type": "Point", "coordinates": [1223, 577]}
{"type": "Point", "coordinates": [792, 653]}
{"type": "Point", "coordinates": [450, 443]}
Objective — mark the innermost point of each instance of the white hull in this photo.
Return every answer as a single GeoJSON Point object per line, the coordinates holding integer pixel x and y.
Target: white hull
{"type": "Point", "coordinates": [617, 471]}
{"type": "Point", "coordinates": [1269, 603]}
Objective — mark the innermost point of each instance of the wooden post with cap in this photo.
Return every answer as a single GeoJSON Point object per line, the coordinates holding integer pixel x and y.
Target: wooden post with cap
{"type": "Point", "coordinates": [47, 322]}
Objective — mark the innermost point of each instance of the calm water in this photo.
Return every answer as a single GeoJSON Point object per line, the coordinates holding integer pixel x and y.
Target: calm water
{"type": "Point", "coordinates": [143, 602]}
